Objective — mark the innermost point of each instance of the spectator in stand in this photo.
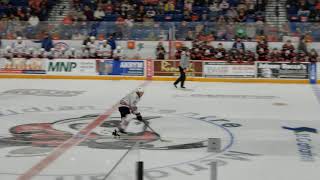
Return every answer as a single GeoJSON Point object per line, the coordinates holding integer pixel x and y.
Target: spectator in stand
{"type": "Point", "coordinates": [288, 55]}
{"type": "Point", "coordinates": [249, 56]}
{"type": "Point", "coordinates": [241, 32]}
{"type": "Point", "coordinates": [169, 6]}
{"type": "Point", "coordinates": [302, 45]}
{"type": "Point", "coordinates": [288, 48]}
{"type": "Point", "coordinates": [33, 20]}
{"type": "Point", "coordinates": [262, 50]}
{"type": "Point", "coordinates": [47, 42]}
{"type": "Point", "coordinates": [232, 53]}
{"type": "Point", "coordinates": [313, 56]}
{"type": "Point", "coordinates": [88, 13]}
{"type": "Point", "coordinates": [196, 53]}
{"type": "Point", "coordinates": [242, 16]}
{"type": "Point", "coordinates": [68, 20]}
{"type": "Point", "coordinates": [108, 7]}
{"type": "Point", "coordinates": [224, 6]}
{"type": "Point", "coordinates": [207, 54]}
{"type": "Point", "coordinates": [99, 14]}
{"type": "Point", "coordinates": [160, 51]}
{"type": "Point", "coordinates": [275, 55]}
{"type": "Point", "coordinates": [251, 31]}
{"type": "Point", "coordinates": [302, 56]}
{"type": "Point", "coordinates": [214, 9]}
{"type": "Point", "coordinates": [177, 54]}
{"type": "Point", "coordinates": [190, 36]}
{"type": "Point", "coordinates": [207, 50]}
{"type": "Point", "coordinates": [78, 36]}
{"type": "Point", "coordinates": [238, 56]}
{"type": "Point", "coordinates": [220, 53]}
{"type": "Point", "coordinates": [239, 45]}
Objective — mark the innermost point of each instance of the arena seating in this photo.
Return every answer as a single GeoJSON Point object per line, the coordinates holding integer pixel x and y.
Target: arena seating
{"type": "Point", "coordinates": [177, 10]}
{"type": "Point", "coordinates": [23, 9]}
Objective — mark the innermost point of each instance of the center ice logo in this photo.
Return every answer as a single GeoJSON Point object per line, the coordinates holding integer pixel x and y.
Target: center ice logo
{"type": "Point", "coordinates": [54, 134]}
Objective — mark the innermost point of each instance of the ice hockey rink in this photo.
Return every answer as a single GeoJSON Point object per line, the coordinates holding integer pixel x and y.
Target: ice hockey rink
{"type": "Point", "coordinates": [61, 130]}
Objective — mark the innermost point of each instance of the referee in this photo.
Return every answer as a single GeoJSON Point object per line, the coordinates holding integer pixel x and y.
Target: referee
{"type": "Point", "coordinates": [184, 63]}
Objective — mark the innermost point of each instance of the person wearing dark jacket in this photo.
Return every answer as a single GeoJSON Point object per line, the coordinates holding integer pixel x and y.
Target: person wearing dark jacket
{"type": "Point", "coordinates": [239, 45]}
{"type": "Point", "coordinates": [112, 42]}
{"type": "Point", "coordinates": [47, 43]}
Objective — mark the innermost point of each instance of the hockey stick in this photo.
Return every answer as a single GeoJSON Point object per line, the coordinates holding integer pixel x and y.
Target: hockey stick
{"type": "Point", "coordinates": [157, 134]}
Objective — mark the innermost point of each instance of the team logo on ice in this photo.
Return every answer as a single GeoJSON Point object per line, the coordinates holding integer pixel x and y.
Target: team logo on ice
{"type": "Point", "coordinates": [36, 138]}
{"type": "Point", "coordinates": [55, 133]}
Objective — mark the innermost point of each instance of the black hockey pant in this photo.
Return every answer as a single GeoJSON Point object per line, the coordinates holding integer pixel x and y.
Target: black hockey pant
{"type": "Point", "coordinates": [182, 77]}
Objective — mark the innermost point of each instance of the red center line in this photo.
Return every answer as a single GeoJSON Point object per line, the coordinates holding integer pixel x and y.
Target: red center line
{"type": "Point", "coordinates": [68, 144]}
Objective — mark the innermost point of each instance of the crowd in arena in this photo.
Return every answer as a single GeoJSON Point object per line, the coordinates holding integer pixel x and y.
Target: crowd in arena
{"type": "Point", "coordinates": [199, 21]}
{"type": "Point", "coordinates": [200, 50]}
{"type": "Point", "coordinates": [25, 10]}
{"type": "Point", "coordinates": [303, 10]}
{"type": "Point", "coordinates": [127, 11]}
{"type": "Point", "coordinates": [239, 54]}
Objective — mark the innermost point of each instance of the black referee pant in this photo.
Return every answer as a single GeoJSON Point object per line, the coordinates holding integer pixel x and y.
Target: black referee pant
{"type": "Point", "coordinates": [182, 77]}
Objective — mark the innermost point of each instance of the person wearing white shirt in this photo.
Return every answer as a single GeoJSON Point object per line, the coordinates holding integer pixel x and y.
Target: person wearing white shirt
{"type": "Point", "coordinates": [118, 53]}
{"type": "Point", "coordinates": [104, 49]}
{"type": "Point", "coordinates": [99, 14]}
{"type": "Point", "coordinates": [19, 47]}
{"type": "Point", "coordinates": [33, 20]}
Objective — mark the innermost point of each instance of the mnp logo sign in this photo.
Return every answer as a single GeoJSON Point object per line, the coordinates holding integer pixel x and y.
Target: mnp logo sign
{"type": "Point", "coordinates": [71, 67]}
{"type": "Point", "coordinates": [61, 66]}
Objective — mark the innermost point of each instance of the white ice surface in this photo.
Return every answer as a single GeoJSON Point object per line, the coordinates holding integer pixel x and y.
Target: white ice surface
{"type": "Point", "coordinates": [262, 149]}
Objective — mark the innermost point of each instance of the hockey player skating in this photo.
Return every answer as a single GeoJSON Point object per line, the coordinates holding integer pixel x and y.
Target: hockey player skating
{"type": "Point", "coordinates": [128, 105]}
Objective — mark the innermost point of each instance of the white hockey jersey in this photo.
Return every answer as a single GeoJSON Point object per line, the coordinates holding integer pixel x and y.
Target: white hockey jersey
{"type": "Point", "coordinates": [8, 52]}
{"type": "Point", "coordinates": [131, 101]}
{"type": "Point", "coordinates": [104, 51]}
{"type": "Point", "coordinates": [73, 54]}
{"type": "Point", "coordinates": [118, 53]}
{"type": "Point", "coordinates": [19, 48]}
{"type": "Point", "coordinates": [92, 48]}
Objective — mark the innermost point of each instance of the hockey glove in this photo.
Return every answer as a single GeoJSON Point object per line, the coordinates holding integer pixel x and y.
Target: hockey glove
{"type": "Point", "coordinates": [139, 117]}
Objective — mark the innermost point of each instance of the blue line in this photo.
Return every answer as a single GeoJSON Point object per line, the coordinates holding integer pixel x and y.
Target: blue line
{"type": "Point", "coordinates": [222, 151]}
